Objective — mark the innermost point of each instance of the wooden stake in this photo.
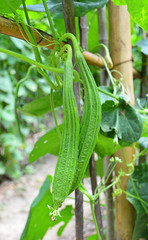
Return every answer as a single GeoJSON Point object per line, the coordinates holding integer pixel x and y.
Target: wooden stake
{"type": "Point", "coordinates": [120, 50]}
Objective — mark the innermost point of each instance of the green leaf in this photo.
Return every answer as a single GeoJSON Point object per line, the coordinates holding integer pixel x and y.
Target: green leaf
{"type": "Point", "coordinates": [123, 119]}
{"type": "Point", "coordinates": [48, 143]}
{"type": "Point", "coordinates": [42, 105]}
{"type": "Point", "coordinates": [81, 7]}
{"type": "Point", "coordinates": [105, 146]}
{"type": "Point", "coordinates": [119, 2]}
{"type": "Point", "coordinates": [2, 168]}
{"type": "Point", "coordinates": [145, 127]}
{"type": "Point", "coordinates": [104, 97]}
{"type": "Point", "coordinates": [141, 227]}
{"type": "Point", "coordinates": [92, 24]}
{"type": "Point", "coordinates": [138, 11]}
{"type": "Point", "coordinates": [38, 220]}
{"type": "Point", "coordinates": [110, 113]}
{"type": "Point", "coordinates": [13, 3]}
{"type": "Point", "coordinates": [92, 237]}
{"type": "Point", "coordinates": [140, 179]}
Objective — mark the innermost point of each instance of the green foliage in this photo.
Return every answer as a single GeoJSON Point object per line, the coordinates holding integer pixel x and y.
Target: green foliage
{"type": "Point", "coordinates": [140, 179]}
{"type": "Point", "coordinates": [106, 146]}
{"type": "Point", "coordinates": [138, 11]}
{"type": "Point", "coordinates": [123, 119]}
{"type": "Point", "coordinates": [42, 105]}
{"type": "Point", "coordinates": [48, 143]}
{"type": "Point", "coordinates": [55, 7]}
{"type": "Point", "coordinates": [38, 220]}
{"type": "Point", "coordinates": [13, 70]}
{"type": "Point", "coordinates": [92, 237]}
{"type": "Point", "coordinates": [4, 9]}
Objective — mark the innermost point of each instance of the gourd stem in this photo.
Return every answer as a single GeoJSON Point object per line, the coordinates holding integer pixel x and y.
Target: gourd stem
{"type": "Point", "coordinates": [73, 39]}
{"type": "Point", "coordinates": [30, 34]}
{"type": "Point", "coordinates": [95, 221]}
{"type": "Point", "coordinates": [15, 102]}
{"type": "Point", "coordinates": [53, 113]}
{"type": "Point", "coordinates": [108, 93]}
{"type": "Point", "coordinates": [54, 33]}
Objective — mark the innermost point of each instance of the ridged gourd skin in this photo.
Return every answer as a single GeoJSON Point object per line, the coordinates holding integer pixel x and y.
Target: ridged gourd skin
{"type": "Point", "coordinates": [90, 122]}
{"type": "Point", "coordinates": [68, 155]}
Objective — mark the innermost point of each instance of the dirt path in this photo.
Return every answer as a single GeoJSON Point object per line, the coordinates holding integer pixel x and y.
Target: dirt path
{"type": "Point", "coordinates": [16, 198]}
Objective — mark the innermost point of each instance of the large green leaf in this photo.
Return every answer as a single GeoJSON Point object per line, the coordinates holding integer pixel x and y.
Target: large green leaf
{"type": "Point", "coordinates": [140, 179]}
{"type": "Point", "coordinates": [6, 9]}
{"type": "Point", "coordinates": [81, 7]}
{"type": "Point", "coordinates": [38, 221]}
{"type": "Point", "coordinates": [123, 119]}
{"type": "Point", "coordinates": [42, 105]}
{"type": "Point", "coordinates": [138, 11]}
{"type": "Point", "coordinates": [48, 143]}
{"type": "Point", "coordinates": [119, 2]}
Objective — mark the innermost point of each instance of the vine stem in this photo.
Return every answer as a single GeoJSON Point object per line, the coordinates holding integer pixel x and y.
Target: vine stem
{"type": "Point", "coordinates": [55, 35]}
{"type": "Point", "coordinates": [133, 184]}
{"type": "Point", "coordinates": [15, 103]}
{"type": "Point", "coordinates": [95, 220]}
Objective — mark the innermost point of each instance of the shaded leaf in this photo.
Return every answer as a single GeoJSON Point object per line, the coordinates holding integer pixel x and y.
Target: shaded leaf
{"type": "Point", "coordinates": [38, 220]}
{"type": "Point", "coordinates": [123, 119]}
{"type": "Point", "coordinates": [119, 2]}
{"type": "Point", "coordinates": [42, 105]}
{"type": "Point", "coordinates": [13, 3]}
{"type": "Point", "coordinates": [110, 113]}
{"type": "Point", "coordinates": [55, 7]}
{"type": "Point", "coordinates": [48, 143]}
{"type": "Point", "coordinates": [130, 124]}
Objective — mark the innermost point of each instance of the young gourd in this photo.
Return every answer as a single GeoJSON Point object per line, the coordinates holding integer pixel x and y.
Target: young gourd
{"type": "Point", "coordinates": [66, 164]}
{"type": "Point", "coordinates": [91, 119]}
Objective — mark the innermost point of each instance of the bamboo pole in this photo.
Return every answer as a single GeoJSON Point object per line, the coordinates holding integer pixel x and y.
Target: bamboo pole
{"type": "Point", "coordinates": [11, 28]}
{"type": "Point", "coordinates": [120, 49]}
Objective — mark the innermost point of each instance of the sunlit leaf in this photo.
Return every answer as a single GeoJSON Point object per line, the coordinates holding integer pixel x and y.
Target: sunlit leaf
{"type": "Point", "coordinates": [38, 221]}
{"type": "Point", "coordinates": [4, 8]}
